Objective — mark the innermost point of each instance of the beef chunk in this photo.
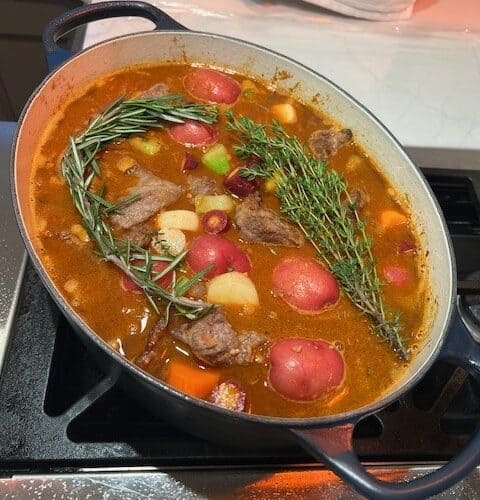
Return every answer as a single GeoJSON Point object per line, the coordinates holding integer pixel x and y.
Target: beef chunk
{"type": "Point", "coordinates": [157, 90]}
{"type": "Point", "coordinates": [201, 185]}
{"type": "Point", "coordinates": [260, 225]}
{"type": "Point", "coordinates": [140, 235]}
{"type": "Point", "coordinates": [359, 198]}
{"type": "Point", "coordinates": [325, 143]}
{"type": "Point", "coordinates": [213, 340]}
{"type": "Point", "coordinates": [197, 291]}
{"type": "Point", "coordinates": [154, 194]}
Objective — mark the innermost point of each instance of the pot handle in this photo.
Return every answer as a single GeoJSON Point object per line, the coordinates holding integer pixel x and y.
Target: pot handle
{"type": "Point", "coordinates": [74, 18]}
{"type": "Point", "coordinates": [334, 447]}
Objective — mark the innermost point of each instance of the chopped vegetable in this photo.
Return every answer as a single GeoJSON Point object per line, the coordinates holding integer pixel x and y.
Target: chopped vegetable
{"type": "Point", "coordinates": [213, 86]}
{"type": "Point", "coordinates": [304, 284]}
{"type": "Point", "coordinates": [205, 203]}
{"type": "Point", "coordinates": [148, 146]}
{"type": "Point", "coordinates": [129, 285]}
{"type": "Point", "coordinates": [126, 163]}
{"type": "Point", "coordinates": [213, 250]}
{"type": "Point", "coordinates": [397, 275]}
{"type": "Point", "coordinates": [186, 220]}
{"type": "Point", "coordinates": [305, 370]}
{"type": "Point", "coordinates": [189, 162]}
{"type": "Point", "coordinates": [172, 241]}
{"type": "Point", "coordinates": [80, 232]}
{"type": "Point", "coordinates": [71, 285]}
{"type": "Point", "coordinates": [284, 113]}
{"type": "Point", "coordinates": [193, 133]}
{"type": "Point", "coordinates": [391, 218]}
{"type": "Point", "coordinates": [271, 184]}
{"type": "Point", "coordinates": [230, 395]}
{"type": "Point", "coordinates": [191, 380]}
{"type": "Point", "coordinates": [407, 246]}
{"type": "Point", "coordinates": [233, 288]}
{"type": "Point", "coordinates": [217, 159]}
{"type": "Point", "coordinates": [248, 85]}
{"type": "Point", "coordinates": [215, 222]}
{"type": "Point", "coordinates": [238, 184]}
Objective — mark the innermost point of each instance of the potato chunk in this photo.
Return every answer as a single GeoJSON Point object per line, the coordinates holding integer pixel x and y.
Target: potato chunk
{"type": "Point", "coordinates": [284, 113]}
{"type": "Point", "coordinates": [185, 220]}
{"type": "Point", "coordinates": [233, 288]}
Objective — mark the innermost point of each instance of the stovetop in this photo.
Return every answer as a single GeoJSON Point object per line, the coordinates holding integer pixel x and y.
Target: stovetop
{"type": "Point", "coordinates": [59, 415]}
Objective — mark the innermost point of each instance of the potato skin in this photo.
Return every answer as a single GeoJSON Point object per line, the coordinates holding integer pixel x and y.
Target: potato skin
{"type": "Point", "coordinates": [212, 86]}
{"type": "Point", "coordinates": [209, 249]}
{"type": "Point", "coordinates": [304, 284]}
{"type": "Point", "coordinates": [305, 370]}
{"type": "Point", "coordinates": [397, 275]}
{"type": "Point", "coordinates": [193, 134]}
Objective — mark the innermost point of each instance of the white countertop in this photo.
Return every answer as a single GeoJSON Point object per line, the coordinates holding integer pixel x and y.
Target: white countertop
{"type": "Point", "coordinates": [420, 76]}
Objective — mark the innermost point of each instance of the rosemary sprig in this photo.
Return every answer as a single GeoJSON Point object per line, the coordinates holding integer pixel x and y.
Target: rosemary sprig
{"type": "Point", "coordinates": [79, 166]}
{"type": "Point", "coordinates": [316, 199]}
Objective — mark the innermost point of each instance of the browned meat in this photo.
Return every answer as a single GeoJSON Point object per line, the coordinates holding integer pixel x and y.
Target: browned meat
{"type": "Point", "coordinates": [258, 224]}
{"type": "Point", "coordinates": [324, 143]}
{"type": "Point", "coordinates": [197, 291]}
{"type": "Point", "coordinates": [213, 340]}
{"type": "Point", "coordinates": [154, 194]}
{"type": "Point", "coordinates": [201, 185]}
{"type": "Point", "coordinates": [157, 90]}
{"type": "Point", "coordinates": [140, 235]}
{"type": "Point", "coordinates": [359, 198]}
{"type": "Point", "coordinates": [155, 335]}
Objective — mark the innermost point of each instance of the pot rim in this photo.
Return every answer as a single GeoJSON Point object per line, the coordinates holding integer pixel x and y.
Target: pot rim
{"type": "Point", "coordinates": [323, 421]}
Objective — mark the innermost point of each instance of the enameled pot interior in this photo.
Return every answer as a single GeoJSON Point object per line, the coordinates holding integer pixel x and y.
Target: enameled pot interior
{"type": "Point", "coordinates": [303, 84]}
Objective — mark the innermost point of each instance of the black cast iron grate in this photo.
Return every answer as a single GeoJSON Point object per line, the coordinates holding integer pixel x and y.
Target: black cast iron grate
{"type": "Point", "coordinates": [56, 415]}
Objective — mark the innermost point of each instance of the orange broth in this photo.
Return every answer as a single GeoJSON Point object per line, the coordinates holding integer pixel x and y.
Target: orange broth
{"type": "Point", "coordinates": [124, 320]}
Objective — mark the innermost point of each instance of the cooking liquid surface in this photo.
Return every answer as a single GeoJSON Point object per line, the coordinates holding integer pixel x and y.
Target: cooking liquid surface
{"type": "Point", "coordinates": [124, 319]}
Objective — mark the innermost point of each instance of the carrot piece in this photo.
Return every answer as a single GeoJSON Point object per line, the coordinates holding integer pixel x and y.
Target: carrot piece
{"type": "Point", "coordinates": [391, 218]}
{"type": "Point", "coordinates": [192, 380]}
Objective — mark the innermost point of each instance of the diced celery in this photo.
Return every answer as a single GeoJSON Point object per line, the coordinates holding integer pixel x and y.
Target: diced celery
{"type": "Point", "coordinates": [216, 159]}
{"type": "Point", "coordinates": [205, 203]}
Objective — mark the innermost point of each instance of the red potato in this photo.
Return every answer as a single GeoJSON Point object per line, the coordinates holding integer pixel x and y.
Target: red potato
{"type": "Point", "coordinates": [130, 286]}
{"type": "Point", "coordinates": [239, 185]}
{"type": "Point", "coordinates": [192, 134]}
{"type": "Point", "coordinates": [212, 86]}
{"type": "Point", "coordinates": [305, 370]}
{"type": "Point", "coordinates": [397, 275]}
{"type": "Point", "coordinates": [305, 285]}
{"type": "Point", "coordinates": [209, 249]}
{"type": "Point", "coordinates": [230, 395]}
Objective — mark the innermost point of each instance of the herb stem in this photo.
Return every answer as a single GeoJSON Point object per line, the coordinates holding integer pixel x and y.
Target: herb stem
{"type": "Point", "coordinates": [80, 167]}
{"type": "Point", "coordinates": [316, 199]}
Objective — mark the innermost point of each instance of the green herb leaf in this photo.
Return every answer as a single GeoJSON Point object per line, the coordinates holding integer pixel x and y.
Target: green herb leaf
{"type": "Point", "coordinates": [316, 199]}
{"type": "Point", "coordinates": [79, 167]}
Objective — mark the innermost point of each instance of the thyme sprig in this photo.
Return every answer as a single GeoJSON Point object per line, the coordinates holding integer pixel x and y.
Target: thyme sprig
{"type": "Point", "coordinates": [80, 167]}
{"type": "Point", "coordinates": [316, 199]}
